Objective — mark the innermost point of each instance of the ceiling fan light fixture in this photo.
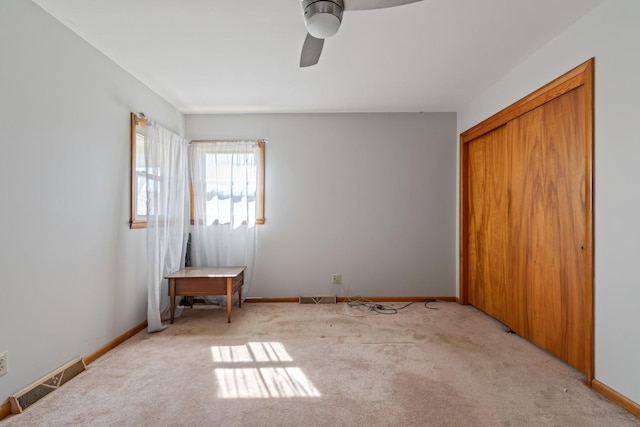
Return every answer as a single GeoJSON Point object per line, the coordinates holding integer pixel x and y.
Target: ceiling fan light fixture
{"type": "Point", "coordinates": [323, 25]}
{"type": "Point", "coordinates": [323, 18]}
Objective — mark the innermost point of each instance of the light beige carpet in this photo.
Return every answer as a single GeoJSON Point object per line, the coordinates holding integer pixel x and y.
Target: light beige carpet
{"type": "Point", "coordinates": [327, 365]}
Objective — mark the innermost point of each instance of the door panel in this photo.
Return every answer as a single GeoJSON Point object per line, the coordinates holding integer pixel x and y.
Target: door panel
{"type": "Point", "coordinates": [565, 221]}
{"type": "Point", "coordinates": [535, 240]}
{"type": "Point", "coordinates": [488, 213]}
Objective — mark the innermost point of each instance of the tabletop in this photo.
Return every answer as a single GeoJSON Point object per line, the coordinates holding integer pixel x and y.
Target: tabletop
{"type": "Point", "coordinates": [206, 272]}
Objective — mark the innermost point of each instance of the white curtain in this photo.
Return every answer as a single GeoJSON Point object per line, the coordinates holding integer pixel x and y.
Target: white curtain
{"type": "Point", "coordinates": [224, 176]}
{"type": "Point", "coordinates": [167, 215]}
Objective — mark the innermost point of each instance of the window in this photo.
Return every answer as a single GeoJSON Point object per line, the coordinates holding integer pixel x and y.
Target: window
{"type": "Point", "coordinates": [227, 182]}
{"type": "Point", "coordinates": [138, 193]}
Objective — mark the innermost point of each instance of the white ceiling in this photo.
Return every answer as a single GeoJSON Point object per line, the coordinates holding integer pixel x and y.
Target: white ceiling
{"type": "Point", "coordinates": [221, 56]}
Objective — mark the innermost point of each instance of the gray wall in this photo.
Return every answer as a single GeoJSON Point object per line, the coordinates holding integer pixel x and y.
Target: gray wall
{"type": "Point", "coordinates": [370, 196]}
{"type": "Point", "coordinates": [73, 274]}
{"type": "Point", "coordinates": [611, 34]}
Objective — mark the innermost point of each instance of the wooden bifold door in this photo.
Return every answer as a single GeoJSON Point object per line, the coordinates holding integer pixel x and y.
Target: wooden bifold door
{"type": "Point", "coordinates": [526, 217]}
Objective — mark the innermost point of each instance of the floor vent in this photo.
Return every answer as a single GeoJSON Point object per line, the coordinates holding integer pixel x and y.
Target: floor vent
{"type": "Point", "coordinates": [326, 299]}
{"type": "Point", "coordinates": [45, 385]}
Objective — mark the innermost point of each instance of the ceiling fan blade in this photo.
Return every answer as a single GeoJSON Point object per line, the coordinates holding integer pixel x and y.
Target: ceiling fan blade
{"type": "Point", "coordinates": [374, 4]}
{"type": "Point", "coordinates": [311, 50]}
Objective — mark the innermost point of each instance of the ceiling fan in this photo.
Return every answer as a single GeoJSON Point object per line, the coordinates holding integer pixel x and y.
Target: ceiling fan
{"type": "Point", "coordinates": [323, 18]}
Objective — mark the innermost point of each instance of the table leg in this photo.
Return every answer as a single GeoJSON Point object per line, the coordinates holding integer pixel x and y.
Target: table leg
{"type": "Point", "coordinates": [172, 297]}
{"type": "Point", "coordinates": [229, 297]}
{"type": "Point", "coordinates": [240, 297]}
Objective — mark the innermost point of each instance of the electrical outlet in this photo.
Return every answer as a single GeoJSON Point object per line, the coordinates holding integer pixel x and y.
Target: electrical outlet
{"type": "Point", "coordinates": [3, 362]}
{"type": "Point", "coordinates": [336, 279]}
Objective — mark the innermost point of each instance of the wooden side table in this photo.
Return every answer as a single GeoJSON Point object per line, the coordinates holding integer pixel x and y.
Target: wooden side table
{"type": "Point", "coordinates": [201, 281]}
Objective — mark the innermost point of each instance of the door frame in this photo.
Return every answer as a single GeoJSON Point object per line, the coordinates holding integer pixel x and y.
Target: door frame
{"type": "Point", "coordinates": [582, 75]}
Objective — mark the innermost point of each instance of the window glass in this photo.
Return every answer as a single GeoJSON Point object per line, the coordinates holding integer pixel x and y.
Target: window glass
{"type": "Point", "coordinates": [138, 218]}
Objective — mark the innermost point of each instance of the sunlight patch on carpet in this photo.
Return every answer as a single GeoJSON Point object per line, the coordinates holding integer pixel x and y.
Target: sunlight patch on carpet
{"type": "Point", "coordinates": [251, 352]}
{"type": "Point", "coordinates": [265, 372]}
{"type": "Point", "coordinates": [252, 383]}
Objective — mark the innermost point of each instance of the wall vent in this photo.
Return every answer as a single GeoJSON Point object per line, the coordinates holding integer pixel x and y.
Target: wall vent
{"type": "Point", "coordinates": [45, 385]}
{"type": "Point", "coordinates": [319, 299]}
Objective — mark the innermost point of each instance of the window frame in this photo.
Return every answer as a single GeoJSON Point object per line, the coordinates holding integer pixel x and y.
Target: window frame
{"type": "Point", "coordinates": [260, 218]}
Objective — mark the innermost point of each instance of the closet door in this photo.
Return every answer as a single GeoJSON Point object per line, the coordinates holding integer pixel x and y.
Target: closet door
{"type": "Point", "coordinates": [547, 224]}
{"type": "Point", "coordinates": [489, 173]}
